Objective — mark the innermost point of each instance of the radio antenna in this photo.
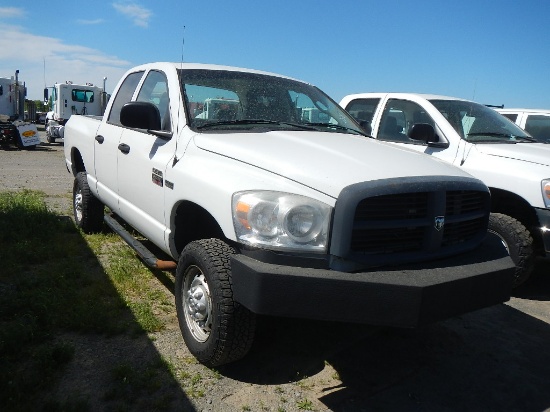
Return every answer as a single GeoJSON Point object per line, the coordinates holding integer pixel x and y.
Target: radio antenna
{"type": "Point", "coordinates": [182, 43]}
{"type": "Point", "coordinates": [180, 99]}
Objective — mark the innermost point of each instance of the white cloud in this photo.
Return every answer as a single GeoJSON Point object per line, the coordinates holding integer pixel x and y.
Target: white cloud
{"type": "Point", "coordinates": [90, 22]}
{"type": "Point", "coordinates": [10, 12]}
{"type": "Point", "coordinates": [139, 15]}
{"type": "Point", "coordinates": [45, 60]}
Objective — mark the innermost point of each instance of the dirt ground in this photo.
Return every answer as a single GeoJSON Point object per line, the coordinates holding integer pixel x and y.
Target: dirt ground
{"type": "Point", "coordinates": [495, 359]}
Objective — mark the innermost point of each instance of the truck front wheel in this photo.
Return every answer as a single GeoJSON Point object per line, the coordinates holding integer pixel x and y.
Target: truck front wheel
{"type": "Point", "coordinates": [88, 210]}
{"type": "Point", "coordinates": [216, 329]}
{"type": "Point", "coordinates": [518, 242]}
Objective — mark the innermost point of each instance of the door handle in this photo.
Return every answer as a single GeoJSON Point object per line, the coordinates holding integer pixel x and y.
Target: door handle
{"type": "Point", "coordinates": [99, 138]}
{"type": "Point", "coordinates": [124, 148]}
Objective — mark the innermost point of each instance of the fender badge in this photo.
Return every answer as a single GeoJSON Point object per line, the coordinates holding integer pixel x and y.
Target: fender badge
{"type": "Point", "coordinates": [439, 222]}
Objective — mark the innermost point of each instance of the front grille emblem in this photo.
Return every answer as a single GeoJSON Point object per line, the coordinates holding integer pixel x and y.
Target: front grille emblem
{"type": "Point", "coordinates": [439, 222]}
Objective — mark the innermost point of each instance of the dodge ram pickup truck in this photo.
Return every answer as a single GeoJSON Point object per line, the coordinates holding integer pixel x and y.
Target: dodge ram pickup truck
{"type": "Point", "coordinates": [514, 166]}
{"type": "Point", "coordinates": [273, 201]}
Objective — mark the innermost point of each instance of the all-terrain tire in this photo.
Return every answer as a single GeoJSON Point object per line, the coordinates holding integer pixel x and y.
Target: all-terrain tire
{"type": "Point", "coordinates": [519, 243]}
{"type": "Point", "coordinates": [216, 329]}
{"type": "Point", "coordinates": [87, 209]}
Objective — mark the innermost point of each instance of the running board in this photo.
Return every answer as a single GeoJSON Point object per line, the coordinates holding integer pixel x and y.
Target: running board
{"type": "Point", "coordinates": [145, 254]}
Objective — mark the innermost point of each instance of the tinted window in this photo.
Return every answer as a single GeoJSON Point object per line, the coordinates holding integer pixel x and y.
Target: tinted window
{"type": "Point", "coordinates": [539, 127]}
{"type": "Point", "coordinates": [123, 96]}
{"type": "Point", "coordinates": [512, 116]}
{"type": "Point", "coordinates": [362, 110]}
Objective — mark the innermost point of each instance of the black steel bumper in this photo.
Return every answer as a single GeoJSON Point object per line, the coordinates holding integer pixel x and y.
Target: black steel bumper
{"type": "Point", "coordinates": [401, 296]}
{"type": "Point", "coordinates": [544, 220]}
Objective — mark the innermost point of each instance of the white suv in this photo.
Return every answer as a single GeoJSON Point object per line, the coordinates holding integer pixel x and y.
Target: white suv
{"type": "Point", "coordinates": [535, 122]}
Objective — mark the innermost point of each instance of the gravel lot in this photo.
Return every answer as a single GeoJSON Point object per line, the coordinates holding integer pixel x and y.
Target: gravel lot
{"type": "Point", "coordinates": [496, 359]}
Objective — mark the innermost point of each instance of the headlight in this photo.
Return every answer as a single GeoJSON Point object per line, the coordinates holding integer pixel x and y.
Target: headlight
{"type": "Point", "coordinates": [279, 220]}
{"type": "Point", "coordinates": [546, 192]}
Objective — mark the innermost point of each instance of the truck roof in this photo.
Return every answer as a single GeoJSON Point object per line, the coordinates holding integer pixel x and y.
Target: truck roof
{"type": "Point", "coordinates": [530, 111]}
{"type": "Point", "coordinates": [426, 96]}
{"type": "Point", "coordinates": [205, 66]}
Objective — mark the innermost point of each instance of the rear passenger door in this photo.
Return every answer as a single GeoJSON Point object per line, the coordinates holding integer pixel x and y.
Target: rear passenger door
{"type": "Point", "coordinates": [107, 141]}
{"type": "Point", "coordinates": [142, 163]}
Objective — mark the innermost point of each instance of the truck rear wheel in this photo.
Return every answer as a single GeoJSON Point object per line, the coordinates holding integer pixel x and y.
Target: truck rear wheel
{"type": "Point", "coordinates": [518, 242]}
{"type": "Point", "coordinates": [87, 209]}
{"type": "Point", "coordinates": [216, 329]}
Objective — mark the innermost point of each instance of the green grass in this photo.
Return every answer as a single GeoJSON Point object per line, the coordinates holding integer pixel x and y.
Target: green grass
{"type": "Point", "coordinates": [53, 282]}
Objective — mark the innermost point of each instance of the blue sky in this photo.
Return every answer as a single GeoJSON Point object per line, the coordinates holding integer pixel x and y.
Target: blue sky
{"type": "Point", "coordinates": [494, 52]}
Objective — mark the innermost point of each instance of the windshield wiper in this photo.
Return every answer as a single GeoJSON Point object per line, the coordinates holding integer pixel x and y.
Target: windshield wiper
{"type": "Point", "coordinates": [338, 127]}
{"type": "Point", "coordinates": [253, 121]}
{"type": "Point", "coordinates": [507, 136]}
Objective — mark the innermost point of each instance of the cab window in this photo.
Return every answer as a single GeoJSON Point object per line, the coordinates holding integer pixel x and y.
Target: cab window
{"type": "Point", "coordinates": [538, 127]}
{"type": "Point", "coordinates": [123, 96]}
{"type": "Point", "coordinates": [155, 90]}
{"type": "Point", "coordinates": [362, 110]}
{"type": "Point", "coordinates": [398, 118]}
{"type": "Point", "coordinates": [512, 116]}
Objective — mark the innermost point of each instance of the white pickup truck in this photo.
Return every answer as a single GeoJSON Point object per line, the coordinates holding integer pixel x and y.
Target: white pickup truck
{"type": "Point", "coordinates": [535, 122]}
{"type": "Point", "coordinates": [477, 139]}
{"type": "Point", "coordinates": [266, 212]}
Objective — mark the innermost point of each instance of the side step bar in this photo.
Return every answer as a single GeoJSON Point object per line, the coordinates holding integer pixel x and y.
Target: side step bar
{"type": "Point", "coordinates": [145, 254]}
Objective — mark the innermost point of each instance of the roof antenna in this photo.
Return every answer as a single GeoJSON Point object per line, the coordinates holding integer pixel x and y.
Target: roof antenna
{"type": "Point", "coordinates": [182, 44]}
{"type": "Point", "coordinates": [176, 160]}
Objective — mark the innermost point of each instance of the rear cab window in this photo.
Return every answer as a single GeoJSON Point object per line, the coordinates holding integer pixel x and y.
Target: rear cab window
{"type": "Point", "coordinates": [538, 126]}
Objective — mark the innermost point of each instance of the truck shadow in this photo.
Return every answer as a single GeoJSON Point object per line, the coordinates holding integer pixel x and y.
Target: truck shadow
{"type": "Point", "coordinates": [110, 367]}
{"type": "Point", "coordinates": [537, 287]}
{"type": "Point", "coordinates": [492, 359]}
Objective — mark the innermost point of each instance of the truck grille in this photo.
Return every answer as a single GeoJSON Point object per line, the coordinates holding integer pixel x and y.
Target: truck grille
{"type": "Point", "coordinates": [407, 220]}
{"type": "Point", "coordinates": [401, 223]}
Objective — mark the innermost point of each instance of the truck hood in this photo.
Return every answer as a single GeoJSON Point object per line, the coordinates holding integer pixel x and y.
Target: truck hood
{"type": "Point", "coordinates": [327, 162]}
{"type": "Point", "coordinates": [538, 153]}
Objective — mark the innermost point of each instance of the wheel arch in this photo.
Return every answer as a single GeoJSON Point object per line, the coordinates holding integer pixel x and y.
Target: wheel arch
{"type": "Point", "coordinates": [77, 162]}
{"type": "Point", "coordinates": [515, 206]}
{"type": "Point", "coordinates": [190, 222]}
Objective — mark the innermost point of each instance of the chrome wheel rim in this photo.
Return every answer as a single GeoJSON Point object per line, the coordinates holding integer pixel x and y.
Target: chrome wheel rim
{"type": "Point", "coordinates": [197, 304]}
{"type": "Point", "coordinates": [78, 205]}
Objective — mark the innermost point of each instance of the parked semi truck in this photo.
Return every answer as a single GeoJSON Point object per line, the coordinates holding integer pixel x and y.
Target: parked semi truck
{"type": "Point", "coordinates": [69, 99]}
{"type": "Point", "coordinates": [14, 130]}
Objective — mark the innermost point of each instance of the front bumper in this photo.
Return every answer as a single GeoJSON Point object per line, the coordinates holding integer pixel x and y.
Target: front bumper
{"type": "Point", "coordinates": [544, 220]}
{"type": "Point", "coordinates": [399, 296]}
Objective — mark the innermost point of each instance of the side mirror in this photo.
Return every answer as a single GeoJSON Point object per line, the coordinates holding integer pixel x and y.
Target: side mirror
{"type": "Point", "coordinates": [140, 115]}
{"type": "Point", "coordinates": [46, 97]}
{"type": "Point", "coordinates": [143, 115]}
{"type": "Point", "coordinates": [424, 132]}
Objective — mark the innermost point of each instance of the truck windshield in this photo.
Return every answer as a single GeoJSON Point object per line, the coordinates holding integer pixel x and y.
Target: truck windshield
{"type": "Point", "coordinates": [480, 124]}
{"type": "Point", "coordinates": [232, 100]}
